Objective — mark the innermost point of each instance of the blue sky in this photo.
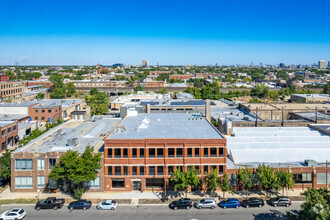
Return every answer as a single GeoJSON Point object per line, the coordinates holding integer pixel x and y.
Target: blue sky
{"type": "Point", "coordinates": [176, 32]}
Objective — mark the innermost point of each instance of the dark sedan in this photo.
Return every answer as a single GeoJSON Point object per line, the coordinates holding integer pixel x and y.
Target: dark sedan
{"type": "Point", "coordinates": [181, 204]}
{"type": "Point", "coordinates": [253, 202]}
{"type": "Point", "coordinates": [80, 204]}
{"type": "Point", "coordinates": [280, 201]}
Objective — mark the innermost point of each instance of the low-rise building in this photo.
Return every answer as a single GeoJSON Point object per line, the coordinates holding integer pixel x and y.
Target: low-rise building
{"type": "Point", "coordinates": [310, 98]}
{"type": "Point", "coordinates": [11, 91]}
{"type": "Point", "coordinates": [8, 135]}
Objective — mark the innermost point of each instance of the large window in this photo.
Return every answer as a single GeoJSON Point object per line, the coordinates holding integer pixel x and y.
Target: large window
{"type": "Point", "coordinates": [134, 170]}
{"type": "Point", "coordinates": [109, 170]}
{"type": "Point", "coordinates": [152, 170]}
{"type": "Point", "coordinates": [171, 152]}
{"type": "Point", "coordinates": [23, 164]}
{"type": "Point", "coordinates": [118, 183]}
{"type": "Point", "coordinates": [179, 152]}
{"type": "Point", "coordinates": [41, 181]}
{"type": "Point", "coordinates": [206, 152]}
{"type": "Point", "coordinates": [134, 153]}
{"type": "Point", "coordinates": [110, 153]}
{"type": "Point", "coordinates": [189, 152]}
{"type": "Point", "coordinates": [160, 153]}
{"type": "Point", "coordinates": [170, 170]}
{"type": "Point", "coordinates": [160, 170]}
{"type": "Point", "coordinates": [23, 182]}
{"type": "Point", "coordinates": [117, 153]}
{"type": "Point", "coordinates": [152, 153]}
{"type": "Point", "coordinates": [321, 178]}
{"type": "Point", "coordinates": [141, 153]}
{"type": "Point", "coordinates": [125, 154]}
{"type": "Point", "coordinates": [206, 169]}
{"type": "Point", "coordinates": [51, 163]}
{"type": "Point", "coordinates": [141, 170]}
{"type": "Point", "coordinates": [95, 183]}
{"type": "Point", "coordinates": [41, 164]}
{"type": "Point", "coordinates": [125, 170]}
{"type": "Point", "coordinates": [302, 177]}
{"type": "Point", "coordinates": [220, 152]}
{"type": "Point", "coordinates": [153, 182]}
{"type": "Point", "coordinates": [213, 152]}
{"type": "Point", "coordinates": [196, 152]}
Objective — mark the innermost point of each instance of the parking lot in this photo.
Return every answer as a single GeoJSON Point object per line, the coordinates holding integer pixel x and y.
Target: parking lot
{"type": "Point", "coordinates": [162, 212]}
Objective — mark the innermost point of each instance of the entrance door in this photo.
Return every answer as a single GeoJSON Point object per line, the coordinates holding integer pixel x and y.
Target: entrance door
{"type": "Point", "coordinates": [136, 185]}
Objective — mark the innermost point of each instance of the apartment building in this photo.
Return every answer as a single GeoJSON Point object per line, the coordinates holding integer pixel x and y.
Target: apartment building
{"type": "Point", "coordinates": [12, 91]}
{"type": "Point", "coordinates": [8, 134]}
{"type": "Point", "coordinates": [143, 150]}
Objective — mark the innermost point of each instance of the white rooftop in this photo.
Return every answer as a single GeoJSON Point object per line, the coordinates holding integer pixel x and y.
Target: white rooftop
{"type": "Point", "coordinates": [159, 125]}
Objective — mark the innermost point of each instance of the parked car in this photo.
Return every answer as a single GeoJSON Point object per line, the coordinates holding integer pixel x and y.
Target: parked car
{"type": "Point", "coordinates": [280, 201]}
{"type": "Point", "coordinates": [253, 202]}
{"type": "Point", "coordinates": [108, 204]}
{"type": "Point", "coordinates": [181, 204]}
{"type": "Point", "coordinates": [50, 203]}
{"type": "Point", "coordinates": [230, 203]}
{"type": "Point", "coordinates": [80, 204]}
{"type": "Point", "coordinates": [206, 203]}
{"type": "Point", "coordinates": [13, 214]}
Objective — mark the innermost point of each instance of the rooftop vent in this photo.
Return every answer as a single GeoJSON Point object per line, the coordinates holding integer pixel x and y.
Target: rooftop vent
{"type": "Point", "coordinates": [145, 120]}
{"type": "Point", "coordinates": [72, 142]}
{"type": "Point", "coordinates": [143, 126]}
{"type": "Point", "coordinates": [310, 163]}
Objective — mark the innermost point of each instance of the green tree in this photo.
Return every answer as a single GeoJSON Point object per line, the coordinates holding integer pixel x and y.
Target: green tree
{"type": "Point", "coordinates": [260, 91]}
{"type": "Point", "coordinates": [245, 178]}
{"type": "Point", "coordinates": [183, 179]}
{"type": "Point", "coordinates": [285, 180]}
{"type": "Point", "coordinates": [267, 177]}
{"type": "Point", "coordinates": [58, 93]}
{"type": "Point", "coordinates": [41, 96]}
{"type": "Point", "coordinates": [211, 180]}
{"type": "Point", "coordinates": [99, 102]}
{"type": "Point", "coordinates": [93, 91]}
{"type": "Point", "coordinates": [224, 184]}
{"type": "Point", "coordinates": [317, 205]}
{"type": "Point", "coordinates": [77, 169]}
{"type": "Point", "coordinates": [138, 88]}
{"type": "Point", "coordinates": [5, 165]}
{"type": "Point", "coordinates": [282, 74]}
{"type": "Point", "coordinates": [70, 89]}
{"type": "Point", "coordinates": [326, 88]}
{"type": "Point", "coordinates": [58, 86]}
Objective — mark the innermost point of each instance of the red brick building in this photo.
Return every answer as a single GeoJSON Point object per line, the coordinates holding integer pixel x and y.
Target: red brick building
{"type": "Point", "coordinates": [144, 149]}
{"type": "Point", "coordinates": [8, 134]}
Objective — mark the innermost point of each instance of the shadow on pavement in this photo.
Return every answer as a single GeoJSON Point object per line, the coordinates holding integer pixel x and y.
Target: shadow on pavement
{"type": "Point", "coordinates": [272, 215]}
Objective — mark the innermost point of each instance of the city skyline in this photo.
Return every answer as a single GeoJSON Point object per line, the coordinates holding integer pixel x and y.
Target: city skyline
{"type": "Point", "coordinates": [194, 32]}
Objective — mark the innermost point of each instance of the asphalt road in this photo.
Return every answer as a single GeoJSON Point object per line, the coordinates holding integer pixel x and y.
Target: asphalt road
{"type": "Point", "coordinates": [153, 212]}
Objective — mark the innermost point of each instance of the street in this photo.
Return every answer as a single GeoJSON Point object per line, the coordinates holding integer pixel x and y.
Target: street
{"type": "Point", "coordinates": [156, 212]}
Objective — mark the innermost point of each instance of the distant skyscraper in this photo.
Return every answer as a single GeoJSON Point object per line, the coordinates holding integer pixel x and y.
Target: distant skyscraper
{"type": "Point", "coordinates": [322, 64]}
{"type": "Point", "coordinates": [281, 65]}
{"type": "Point", "coordinates": [329, 64]}
{"type": "Point", "coordinates": [145, 63]}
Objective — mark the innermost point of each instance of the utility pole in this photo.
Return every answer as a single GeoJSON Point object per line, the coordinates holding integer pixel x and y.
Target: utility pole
{"type": "Point", "coordinates": [257, 117]}
{"type": "Point", "coordinates": [282, 124]}
{"type": "Point", "coordinates": [326, 174]}
{"type": "Point", "coordinates": [316, 115]}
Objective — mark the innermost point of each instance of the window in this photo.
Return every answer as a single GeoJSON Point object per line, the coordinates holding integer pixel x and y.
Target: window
{"type": "Point", "coordinates": [3, 146]}
{"type": "Point", "coordinates": [302, 177]}
{"type": "Point", "coordinates": [36, 111]}
{"type": "Point", "coordinates": [160, 170]}
{"type": "Point", "coordinates": [110, 170]}
{"type": "Point", "coordinates": [118, 183]}
{"type": "Point", "coordinates": [3, 132]}
{"type": "Point", "coordinates": [206, 169]}
{"type": "Point", "coordinates": [8, 130]}
{"type": "Point", "coordinates": [171, 152]}
{"type": "Point", "coordinates": [42, 118]}
{"type": "Point", "coordinates": [141, 170]}
{"type": "Point", "coordinates": [220, 169]}
{"type": "Point", "coordinates": [141, 153]}
{"type": "Point", "coordinates": [134, 170]}
{"type": "Point", "coordinates": [110, 153]}
{"type": "Point", "coordinates": [189, 152]}
{"type": "Point", "coordinates": [95, 183]}
{"type": "Point", "coordinates": [134, 152]}
{"type": "Point", "coordinates": [51, 162]}
{"type": "Point", "coordinates": [14, 128]}
{"type": "Point", "coordinates": [43, 111]}
{"type": "Point", "coordinates": [197, 168]}
{"type": "Point", "coordinates": [170, 170]}
{"type": "Point", "coordinates": [117, 170]}
{"type": "Point", "coordinates": [152, 153]}
{"type": "Point", "coordinates": [213, 152]}
{"type": "Point", "coordinates": [41, 164]}
{"type": "Point", "coordinates": [152, 170]}
{"type": "Point", "coordinates": [206, 152]}
{"type": "Point", "coordinates": [41, 181]}
{"type": "Point", "coordinates": [321, 178]}
{"type": "Point", "coordinates": [117, 153]}
{"type": "Point", "coordinates": [196, 152]}
{"type": "Point", "coordinates": [220, 152]}
{"type": "Point", "coordinates": [179, 152]}
{"type": "Point", "coordinates": [23, 182]}
{"type": "Point", "coordinates": [125, 153]}
{"type": "Point", "coordinates": [23, 164]}
{"type": "Point", "coordinates": [125, 170]}
{"type": "Point", "coordinates": [35, 118]}
{"type": "Point", "coordinates": [160, 153]}
{"type": "Point", "coordinates": [153, 182]}
{"type": "Point", "coordinates": [213, 167]}
{"type": "Point", "coordinates": [49, 111]}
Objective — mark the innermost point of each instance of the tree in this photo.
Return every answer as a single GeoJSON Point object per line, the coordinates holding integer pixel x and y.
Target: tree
{"type": "Point", "coordinates": [138, 88]}
{"type": "Point", "coordinates": [260, 91]}
{"type": "Point", "coordinates": [266, 175]}
{"type": "Point", "coordinates": [41, 96]}
{"type": "Point", "coordinates": [224, 184]}
{"type": "Point", "coordinates": [77, 169]}
{"type": "Point", "coordinates": [58, 85]}
{"type": "Point", "coordinates": [282, 74]}
{"type": "Point", "coordinates": [70, 88]}
{"type": "Point", "coordinates": [183, 179]}
{"type": "Point", "coordinates": [326, 88]}
{"type": "Point", "coordinates": [98, 102]}
{"type": "Point", "coordinates": [58, 93]}
{"type": "Point", "coordinates": [285, 180]}
{"type": "Point", "coordinates": [245, 178]}
{"type": "Point", "coordinates": [211, 180]}
{"type": "Point", "coordinates": [5, 165]}
{"type": "Point", "coordinates": [317, 205]}
{"type": "Point", "coordinates": [162, 91]}
{"type": "Point", "coordinates": [93, 91]}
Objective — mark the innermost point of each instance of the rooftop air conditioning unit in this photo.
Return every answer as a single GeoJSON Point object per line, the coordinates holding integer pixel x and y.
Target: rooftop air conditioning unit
{"type": "Point", "coordinates": [310, 163]}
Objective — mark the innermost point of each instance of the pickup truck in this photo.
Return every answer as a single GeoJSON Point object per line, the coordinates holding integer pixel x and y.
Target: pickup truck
{"type": "Point", "coordinates": [50, 203]}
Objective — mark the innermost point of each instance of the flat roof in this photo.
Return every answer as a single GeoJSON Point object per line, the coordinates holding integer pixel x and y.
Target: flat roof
{"type": "Point", "coordinates": [87, 133]}
{"type": "Point", "coordinates": [287, 106]}
{"type": "Point", "coordinates": [12, 117]}
{"type": "Point", "coordinates": [275, 145]}
{"type": "Point", "coordinates": [175, 102]}
{"type": "Point", "coordinates": [312, 95]}
{"type": "Point", "coordinates": [170, 125]}
{"type": "Point", "coordinates": [5, 123]}
{"type": "Point", "coordinates": [312, 116]}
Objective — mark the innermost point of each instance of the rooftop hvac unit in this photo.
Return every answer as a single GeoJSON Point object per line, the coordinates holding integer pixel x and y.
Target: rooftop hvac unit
{"type": "Point", "coordinates": [72, 142]}
{"type": "Point", "coordinates": [310, 163]}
